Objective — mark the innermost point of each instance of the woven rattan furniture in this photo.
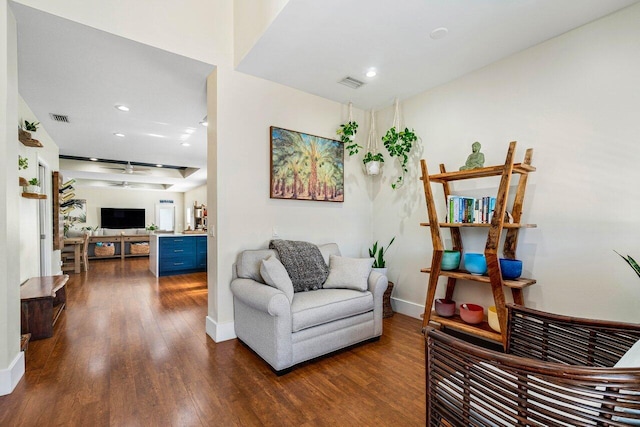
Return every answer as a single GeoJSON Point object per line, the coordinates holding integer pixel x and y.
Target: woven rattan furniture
{"type": "Point", "coordinates": [558, 371]}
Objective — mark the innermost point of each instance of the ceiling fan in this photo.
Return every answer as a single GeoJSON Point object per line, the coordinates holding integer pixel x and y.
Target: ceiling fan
{"type": "Point", "coordinates": [123, 184]}
{"type": "Point", "coordinates": [130, 169]}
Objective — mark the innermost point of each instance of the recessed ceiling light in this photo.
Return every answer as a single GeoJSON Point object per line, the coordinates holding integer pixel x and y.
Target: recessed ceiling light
{"type": "Point", "coordinates": [185, 144]}
{"type": "Point", "coordinates": [119, 135]}
{"type": "Point", "coordinates": [204, 122]}
{"type": "Point", "coordinates": [93, 159]}
{"type": "Point", "coordinates": [155, 135]}
{"type": "Point", "coordinates": [122, 107]}
{"type": "Point", "coordinates": [371, 73]}
{"type": "Point", "coordinates": [439, 33]}
{"type": "Point", "coordinates": [190, 131]}
{"type": "Point", "coordinates": [158, 166]}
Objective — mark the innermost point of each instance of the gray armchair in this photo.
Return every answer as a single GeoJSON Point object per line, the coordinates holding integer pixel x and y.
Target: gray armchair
{"type": "Point", "coordinates": [314, 323]}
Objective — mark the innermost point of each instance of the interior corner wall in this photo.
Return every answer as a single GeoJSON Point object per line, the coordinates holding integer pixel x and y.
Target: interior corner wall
{"type": "Point", "coordinates": [246, 216]}
{"type": "Point", "coordinates": [574, 100]}
{"type": "Point", "coordinates": [11, 360]}
{"type": "Point", "coordinates": [128, 198]}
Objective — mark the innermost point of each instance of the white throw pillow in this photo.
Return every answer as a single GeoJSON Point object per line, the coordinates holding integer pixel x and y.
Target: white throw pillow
{"type": "Point", "coordinates": [275, 275]}
{"type": "Point", "coordinates": [348, 273]}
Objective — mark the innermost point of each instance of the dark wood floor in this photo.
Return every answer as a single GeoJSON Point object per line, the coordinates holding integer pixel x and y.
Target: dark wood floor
{"type": "Point", "coordinates": [131, 350]}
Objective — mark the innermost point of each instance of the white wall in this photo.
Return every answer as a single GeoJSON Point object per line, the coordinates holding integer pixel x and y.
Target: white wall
{"type": "Point", "coordinates": [29, 226]}
{"type": "Point", "coordinates": [198, 195]}
{"type": "Point", "coordinates": [11, 359]}
{"type": "Point", "coordinates": [245, 213]}
{"type": "Point", "coordinates": [574, 100]}
{"type": "Point", "coordinates": [250, 20]}
{"type": "Point", "coordinates": [128, 198]}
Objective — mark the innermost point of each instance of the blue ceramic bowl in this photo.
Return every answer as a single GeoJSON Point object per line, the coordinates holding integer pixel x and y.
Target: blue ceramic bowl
{"type": "Point", "coordinates": [511, 268]}
{"type": "Point", "coordinates": [450, 260]}
{"type": "Point", "coordinates": [475, 264]}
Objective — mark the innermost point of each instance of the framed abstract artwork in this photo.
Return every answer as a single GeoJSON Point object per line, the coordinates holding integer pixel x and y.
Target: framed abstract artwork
{"type": "Point", "coordinates": [306, 167]}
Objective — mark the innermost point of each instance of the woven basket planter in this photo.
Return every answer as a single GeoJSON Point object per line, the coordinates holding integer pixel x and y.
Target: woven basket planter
{"type": "Point", "coordinates": [105, 250]}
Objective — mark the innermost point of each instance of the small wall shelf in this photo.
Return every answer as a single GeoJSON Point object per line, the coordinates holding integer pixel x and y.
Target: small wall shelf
{"type": "Point", "coordinates": [25, 138]}
{"type": "Point", "coordinates": [34, 196]}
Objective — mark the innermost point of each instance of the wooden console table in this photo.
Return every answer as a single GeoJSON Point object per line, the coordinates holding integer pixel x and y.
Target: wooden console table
{"type": "Point", "coordinates": [42, 300]}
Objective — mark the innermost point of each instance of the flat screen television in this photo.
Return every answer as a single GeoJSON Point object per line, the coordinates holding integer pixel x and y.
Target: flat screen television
{"type": "Point", "coordinates": [121, 218]}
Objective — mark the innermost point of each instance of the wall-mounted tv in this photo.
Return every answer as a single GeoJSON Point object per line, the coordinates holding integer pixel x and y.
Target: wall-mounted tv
{"type": "Point", "coordinates": [121, 218]}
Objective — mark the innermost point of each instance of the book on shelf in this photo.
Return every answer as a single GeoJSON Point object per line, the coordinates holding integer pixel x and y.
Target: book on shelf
{"type": "Point", "coordinates": [470, 210]}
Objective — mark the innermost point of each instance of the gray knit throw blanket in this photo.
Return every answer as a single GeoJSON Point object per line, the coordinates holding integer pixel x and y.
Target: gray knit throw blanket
{"type": "Point", "coordinates": [304, 263]}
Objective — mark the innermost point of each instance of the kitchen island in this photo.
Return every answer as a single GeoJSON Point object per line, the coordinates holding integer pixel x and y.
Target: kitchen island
{"type": "Point", "coordinates": [171, 254]}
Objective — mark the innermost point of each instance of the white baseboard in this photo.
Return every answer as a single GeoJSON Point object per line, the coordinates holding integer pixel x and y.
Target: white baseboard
{"type": "Point", "coordinates": [220, 331]}
{"type": "Point", "coordinates": [10, 377]}
{"type": "Point", "coordinates": [407, 308]}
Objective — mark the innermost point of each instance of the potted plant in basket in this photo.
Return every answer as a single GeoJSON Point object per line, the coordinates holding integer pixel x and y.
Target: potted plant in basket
{"type": "Point", "coordinates": [379, 263]}
{"type": "Point", "coordinates": [33, 187]}
{"type": "Point", "coordinates": [372, 163]}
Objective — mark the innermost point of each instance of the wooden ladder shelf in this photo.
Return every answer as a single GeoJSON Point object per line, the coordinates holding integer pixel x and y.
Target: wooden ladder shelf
{"type": "Point", "coordinates": [494, 275]}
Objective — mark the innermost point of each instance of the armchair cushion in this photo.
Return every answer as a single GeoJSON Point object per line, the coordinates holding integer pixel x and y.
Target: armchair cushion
{"type": "Point", "coordinates": [326, 305]}
{"type": "Point", "coordinates": [275, 275]}
{"type": "Point", "coordinates": [348, 273]}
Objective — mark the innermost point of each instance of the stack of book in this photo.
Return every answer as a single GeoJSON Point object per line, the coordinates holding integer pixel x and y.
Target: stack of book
{"type": "Point", "coordinates": [469, 210]}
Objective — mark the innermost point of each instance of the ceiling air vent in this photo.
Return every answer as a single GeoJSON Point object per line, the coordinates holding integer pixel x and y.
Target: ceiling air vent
{"type": "Point", "coordinates": [351, 82]}
{"type": "Point", "coordinates": [59, 118]}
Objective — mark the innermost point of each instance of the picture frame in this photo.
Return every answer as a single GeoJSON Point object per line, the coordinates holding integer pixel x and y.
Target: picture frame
{"type": "Point", "coordinates": [305, 167]}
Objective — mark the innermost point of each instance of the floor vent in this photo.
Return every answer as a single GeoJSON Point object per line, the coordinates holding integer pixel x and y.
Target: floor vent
{"type": "Point", "coordinates": [351, 82]}
{"type": "Point", "coordinates": [59, 118]}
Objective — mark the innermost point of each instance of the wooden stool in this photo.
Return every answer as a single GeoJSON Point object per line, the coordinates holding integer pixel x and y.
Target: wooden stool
{"type": "Point", "coordinates": [387, 311]}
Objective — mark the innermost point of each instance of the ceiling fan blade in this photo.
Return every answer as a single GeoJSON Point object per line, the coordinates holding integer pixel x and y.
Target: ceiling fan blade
{"type": "Point", "coordinates": [107, 167]}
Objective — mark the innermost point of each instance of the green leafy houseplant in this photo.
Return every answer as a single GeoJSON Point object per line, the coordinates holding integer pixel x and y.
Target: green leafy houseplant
{"type": "Point", "coordinates": [378, 254]}
{"type": "Point", "coordinates": [347, 132]}
{"type": "Point", "coordinates": [370, 157]}
{"type": "Point", "coordinates": [631, 262]}
{"type": "Point", "coordinates": [31, 126]}
{"type": "Point", "coordinates": [23, 162]}
{"type": "Point", "coordinates": [34, 181]}
{"type": "Point", "coordinates": [152, 227]}
{"type": "Point", "coordinates": [399, 144]}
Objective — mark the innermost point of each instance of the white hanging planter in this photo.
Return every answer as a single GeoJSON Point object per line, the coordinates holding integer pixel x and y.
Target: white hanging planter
{"type": "Point", "coordinates": [373, 168]}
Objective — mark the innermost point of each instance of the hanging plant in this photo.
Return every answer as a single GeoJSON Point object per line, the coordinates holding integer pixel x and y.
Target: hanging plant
{"type": "Point", "coordinates": [373, 159]}
{"type": "Point", "coordinates": [23, 162]}
{"type": "Point", "coordinates": [399, 145]}
{"type": "Point", "coordinates": [347, 134]}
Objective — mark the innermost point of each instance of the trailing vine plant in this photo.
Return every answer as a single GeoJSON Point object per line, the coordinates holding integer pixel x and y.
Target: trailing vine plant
{"type": "Point", "coordinates": [347, 132]}
{"type": "Point", "coordinates": [399, 145]}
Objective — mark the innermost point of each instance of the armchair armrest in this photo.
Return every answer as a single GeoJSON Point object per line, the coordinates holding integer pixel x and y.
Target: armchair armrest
{"type": "Point", "coordinates": [261, 297]}
{"type": "Point", "coordinates": [377, 283]}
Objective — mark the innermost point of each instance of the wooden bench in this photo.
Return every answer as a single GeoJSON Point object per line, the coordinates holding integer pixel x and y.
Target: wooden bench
{"type": "Point", "coordinates": [42, 300]}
